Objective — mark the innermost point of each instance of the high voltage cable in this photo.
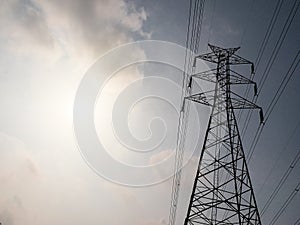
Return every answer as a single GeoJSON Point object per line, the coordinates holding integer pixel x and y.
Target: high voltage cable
{"type": "Point", "coordinates": [192, 43]}
{"type": "Point", "coordinates": [280, 184]}
{"type": "Point", "coordinates": [279, 156]}
{"type": "Point", "coordinates": [271, 60]}
{"type": "Point", "coordinates": [247, 23]}
{"type": "Point", "coordinates": [282, 86]}
{"type": "Point", "coordinates": [211, 22]}
{"type": "Point", "coordinates": [273, 103]}
{"type": "Point", "coordinates": [279, 42]}
{"type": "Point", "coordinates": [275, 51]}
{"type": "Point", "coordinates": [199, 27]}
{"type": "Point", "coordinates": [261, 52]}
{"type": "Point", "coordinates": [285, 204]}
{"type": "Point", "coordinates": [297, 222]}
{"type": "Point", "coordinates": [269, 31]}
{"type": "Point", "coordinates": [173, 194]}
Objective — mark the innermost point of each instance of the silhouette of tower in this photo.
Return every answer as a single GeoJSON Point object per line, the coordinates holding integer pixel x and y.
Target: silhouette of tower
{"type": "Point", "coordinates": [222, 192]}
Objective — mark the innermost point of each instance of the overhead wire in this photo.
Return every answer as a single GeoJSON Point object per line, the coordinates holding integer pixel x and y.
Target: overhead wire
{"type": "Point", "coordinates": [282, 86]}
{"type": "Point", "coordinates": [172, 213]}
{"type": "Point", "coordinates": [285, 204]}
{"type": "Point", "coordinates": [281, 183]}
{"type": "Point", "coordinates": [274, 53]}
{"type": "Point", "coordinates": [297, 222]}
{"type": "Point", "coordinates": [271, 60]}
{"type": "Point", "coordinates": [268, 32]}
{"type": "Point", "coordinates": [261, 51]}
{"type": "Point", "coordinates": [279, 43]}
{"type": "Point", "coordinates": [211, 22]}
{"type": "Point", "coordinates": [286, 144]}
{"type": "Point", "coordinates": [272, 105]}
{"type": "Point", "coordinates": [276, 97]}
{"type": "Point", "coordinates": [192, 43]}
{"type": "Point", "coordinates": [248, 21]}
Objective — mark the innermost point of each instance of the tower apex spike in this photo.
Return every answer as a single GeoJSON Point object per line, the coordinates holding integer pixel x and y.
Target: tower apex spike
{"type": "Point", "coordinates": [218, 50]}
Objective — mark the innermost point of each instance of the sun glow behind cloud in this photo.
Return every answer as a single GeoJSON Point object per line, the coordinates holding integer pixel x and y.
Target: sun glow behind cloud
{"type": "Point", "coordinates": [46, 46]}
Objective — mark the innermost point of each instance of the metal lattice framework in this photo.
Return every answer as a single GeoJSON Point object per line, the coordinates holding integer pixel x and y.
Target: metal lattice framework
{"type": "Point", "coordinates": [222, 191]}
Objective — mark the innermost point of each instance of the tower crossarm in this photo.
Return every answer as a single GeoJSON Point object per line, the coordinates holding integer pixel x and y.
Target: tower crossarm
{"type": "Point", "coordinates": [235, 78]}
{"type": "Point", "coordinates": [209, 75]}
{"type": "Point", "coordinates": [219, 54]}
{"type": "Point", "coordinates": [236, 60]}
{"type": "Point", "coordinates": [237, 101]}
{"type": "Point", "coordinates": [205, 98]}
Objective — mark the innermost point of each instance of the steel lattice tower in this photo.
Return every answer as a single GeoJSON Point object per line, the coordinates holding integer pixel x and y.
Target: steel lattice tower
{"type": "Point", "coordinates": [222, 191]}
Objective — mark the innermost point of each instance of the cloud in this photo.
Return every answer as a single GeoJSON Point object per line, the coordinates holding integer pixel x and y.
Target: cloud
{"type": "Point", "coordinates": [71, 27]}
{"type": "Point", "coordinates": [23, 24]}
{"type": "Point", "coordinates": [19, 172]}
{"type": "Point", "coordinates": [49, 183]}
{"type": "Point", "coordinates": [6, 218]}
{"type": "Point", "coordinates": [153, 222]}
{"type": "Point", "coordinates": [16, 161]}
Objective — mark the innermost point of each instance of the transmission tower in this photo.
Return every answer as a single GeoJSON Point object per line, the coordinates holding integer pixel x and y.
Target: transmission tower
{"type": "Point", "coordinates": [222, 192]}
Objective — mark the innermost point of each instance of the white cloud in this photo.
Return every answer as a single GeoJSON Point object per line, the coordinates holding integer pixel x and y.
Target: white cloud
{"type": "Point", "coordinates": [153, 222]}
{"type": "Point", "coordinates": [19, 173]}
{"type": "Point", "coordinates": [72, 28]}
{"type": "Point", "coordinates": [50, 182]}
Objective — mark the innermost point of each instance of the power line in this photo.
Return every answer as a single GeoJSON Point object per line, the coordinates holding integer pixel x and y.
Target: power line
{"type": "Point", "coordinates": [248, 21]}
{"type": "Point", "coordinates": [192, 43]}
{"type": "Point", "coordinates": [211, 22]}
{"type": "Point", "coordinates": [274, 102]}
{"type": "Point", "coordinates": [260, 53]}
{"type": "Point", "coordinates": [279, 42]}
{"type": "Point", "coordinates": [280, 155]}
{"type": "Point", "coordinates": [283, 85]}
{"type": "Point", "coordinates": [269, 32]}
{"type": "Point", "coordinates": [285, 204]}
{"type": "Point", "coordinates": [281, 183]}
{"type": "Point", "coordinates": [271, 60]}
{"type": "Point", "coordinates": [174, 195]}
{"type": "Point", "coordinates": [297, 222]}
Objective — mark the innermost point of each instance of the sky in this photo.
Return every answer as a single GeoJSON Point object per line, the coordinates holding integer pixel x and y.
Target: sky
{"type": "Point", "coordinates": [49, 47]}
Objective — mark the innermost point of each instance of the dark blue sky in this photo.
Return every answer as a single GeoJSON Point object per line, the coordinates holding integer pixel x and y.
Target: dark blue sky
{"type": "Point", "coordinates": [244, 24]}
